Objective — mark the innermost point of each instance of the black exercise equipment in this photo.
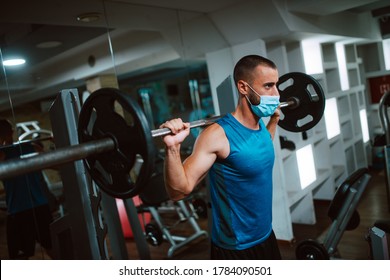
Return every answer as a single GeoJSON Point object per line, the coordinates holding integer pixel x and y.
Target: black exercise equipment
{"type": "Point", "coordinates": [155, 201]}
{"type": "Point", "coordinates": [342, 212]}
{"type": "Point", "coordinates": [286, 144]}
{"type": "Point", "coordinates": [377, 234]}
{"type": "Point", "coordinates": [384, 140]}
{"type": "Point", "coordinates": [114, 133]}
{"type": "Point", "coordinates": [310, 97]}
{"type": "Point", "coordinates": [153, 234]}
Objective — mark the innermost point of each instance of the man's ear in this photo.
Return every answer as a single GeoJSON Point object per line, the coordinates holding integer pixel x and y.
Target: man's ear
{"type": "Point", "coordinates": [242, 87]}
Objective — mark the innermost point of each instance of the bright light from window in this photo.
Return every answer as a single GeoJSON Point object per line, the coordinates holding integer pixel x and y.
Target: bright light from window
{"type": "Point", "coordinates": [386, 53]}
{"type": "Point", "coordinates": [306, 167]}
{"type": "Point", "coordinates": [332, 121]}
{"type": "Point", "coordinates": [364, 124]}
{"type": "Point", "coordinates": [14, 62]}
{"type": "Point", "coordinates": [312, 57]}
{"type": "Point", "coordinates": [342, 63]}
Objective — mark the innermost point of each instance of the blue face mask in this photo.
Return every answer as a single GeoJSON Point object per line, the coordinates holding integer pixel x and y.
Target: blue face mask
{"type": "Point", "coordinates": [267, 105]}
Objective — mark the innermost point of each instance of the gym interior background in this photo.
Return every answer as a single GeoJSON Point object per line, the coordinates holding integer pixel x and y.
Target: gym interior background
{"type": "Point", "coordinates": [175, 58]}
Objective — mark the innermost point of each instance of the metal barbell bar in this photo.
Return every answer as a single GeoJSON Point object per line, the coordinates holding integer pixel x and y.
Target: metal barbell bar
{"type": "Point", "coordinates": [14, 167]}
{"type": "Point", "coordinates": [290, 103]}
{"type": "Point", "coordinates": [45, 160]}
{"type": "Point", "coordinates": [112, 142]}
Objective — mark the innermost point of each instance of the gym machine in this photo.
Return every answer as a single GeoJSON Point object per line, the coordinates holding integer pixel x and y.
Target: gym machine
{"type": "Point", "coordinates": [89, 214]}
{"type": "Point", "coordinates": [384, 140]}
{"type": "Point", "coordinates": [377, 235]}
{"type": "Point", "coordinates": [342, 211]}
{"type": "Point", "coordinates": [155, 199]}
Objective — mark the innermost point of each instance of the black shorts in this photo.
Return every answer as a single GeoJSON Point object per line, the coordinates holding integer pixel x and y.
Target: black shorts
{"type": "Point", "coordinates": [27, 227]}
{"type": "Point", "coordinates": [267, 250]}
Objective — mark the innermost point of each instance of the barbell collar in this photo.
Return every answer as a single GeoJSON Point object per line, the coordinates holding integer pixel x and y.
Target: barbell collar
{"type": "Point", "coordinates": [290, 103]}
{"type": "Point", "coordinates": [15, 167]}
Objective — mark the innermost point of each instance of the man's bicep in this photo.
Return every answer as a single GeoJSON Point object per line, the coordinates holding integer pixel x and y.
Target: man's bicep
{"type": "Point", "coordinates": [197, 165]}
{"type": "Point", "coordinates": [204, 154]}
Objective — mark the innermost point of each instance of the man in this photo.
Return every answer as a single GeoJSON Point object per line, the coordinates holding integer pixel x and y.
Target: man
{"type": "Point", "coordinates": [28, 212]}
{"type": "Point", "coordinates": [237, 152]}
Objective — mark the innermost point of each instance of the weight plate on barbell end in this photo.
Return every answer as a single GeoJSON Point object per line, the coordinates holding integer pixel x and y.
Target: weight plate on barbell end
{"type": "Point", "coordinates": [311, 250]}
{"type": "Point", "coordinates": [122, 172]}
{"type": "Point", "coordinates": [311, 101]}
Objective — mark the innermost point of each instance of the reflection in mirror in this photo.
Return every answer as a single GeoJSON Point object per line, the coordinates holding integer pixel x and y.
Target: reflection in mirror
{"type": "Point", "coordinates": [157, 66]}
{"type": "Point", "coordinates": [59, 53]}
{"type": "Point", "coordinates": [145, 51]}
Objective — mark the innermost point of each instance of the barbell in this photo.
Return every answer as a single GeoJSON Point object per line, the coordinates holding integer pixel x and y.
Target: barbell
{"type": "Point", "coordinates": [115, 137]}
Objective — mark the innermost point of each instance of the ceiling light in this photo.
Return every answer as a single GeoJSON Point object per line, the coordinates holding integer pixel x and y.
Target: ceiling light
{"type": "Point", "coordinates": [48, 44]}
{"type": "Point", "coordinates": [89, 17]}
{"type": "Point", "coordinates": [14, 62]}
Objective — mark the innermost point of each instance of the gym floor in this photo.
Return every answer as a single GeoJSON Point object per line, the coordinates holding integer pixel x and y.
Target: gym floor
{"type": "Point", "coordinates": [352, 246]}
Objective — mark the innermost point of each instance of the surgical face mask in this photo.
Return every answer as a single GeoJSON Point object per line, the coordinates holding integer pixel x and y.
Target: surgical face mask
{"type": "Point", "coordinates": [267, 105]}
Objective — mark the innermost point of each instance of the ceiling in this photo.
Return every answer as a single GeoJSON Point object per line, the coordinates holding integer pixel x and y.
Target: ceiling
{"type": "Point", "coordinates": [134, 38]}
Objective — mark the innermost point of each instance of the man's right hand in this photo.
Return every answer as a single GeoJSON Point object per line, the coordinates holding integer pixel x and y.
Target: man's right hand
{"type": "Point", "coordinates": [179, 131]}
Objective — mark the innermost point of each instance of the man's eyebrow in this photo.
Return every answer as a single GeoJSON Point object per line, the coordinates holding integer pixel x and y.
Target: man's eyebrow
{"type": "Point", "coordinates": [270, 84]}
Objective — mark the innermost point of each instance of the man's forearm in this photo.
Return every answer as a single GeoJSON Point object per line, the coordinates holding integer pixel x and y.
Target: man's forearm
{"type": "Point", "coordinates": [174, 174]}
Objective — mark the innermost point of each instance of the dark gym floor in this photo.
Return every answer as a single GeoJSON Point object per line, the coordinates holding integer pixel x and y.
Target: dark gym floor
{"type": "Point", "coordinates": [353, 246]}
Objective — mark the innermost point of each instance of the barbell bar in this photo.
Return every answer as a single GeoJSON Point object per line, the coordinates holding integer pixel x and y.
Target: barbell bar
{"type": "Point", "coordinates": [15, 167]}
{"type": "Point", "coordinates": [115, 142]}
{"type": "Point", "coordinates": [208, 121]}
{"type": "Point", "coordinates": [156, 132]}
{"type": "Point", "coordinates": [72, 153]}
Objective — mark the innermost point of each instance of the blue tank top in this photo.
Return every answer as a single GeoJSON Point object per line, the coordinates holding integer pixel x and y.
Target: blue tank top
{"type": "Point", "coordinates": [241, 187]}
{"type": "Point", "coordinates": [25, 191]}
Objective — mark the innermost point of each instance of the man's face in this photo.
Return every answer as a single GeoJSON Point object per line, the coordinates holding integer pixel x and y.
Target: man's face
{"type": "Point", "coordinates": [264, 83]}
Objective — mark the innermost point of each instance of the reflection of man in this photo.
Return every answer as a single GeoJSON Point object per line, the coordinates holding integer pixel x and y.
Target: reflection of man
{"type": "Point", "coordinates": [28, 212]}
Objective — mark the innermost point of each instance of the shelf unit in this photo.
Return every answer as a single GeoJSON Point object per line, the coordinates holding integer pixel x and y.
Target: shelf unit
{"type": "Point", "coordinates": [334, 158]}
{"type": "Point", "coordinates": [373, 57]}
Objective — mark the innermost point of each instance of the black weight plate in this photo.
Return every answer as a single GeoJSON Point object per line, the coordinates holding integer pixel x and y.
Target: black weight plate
{"type": "Point", "coordinates": [200, 207]}
{"type": "Point", "coordinates": [108, 112]}
{"type": "Point", "coordinates": [311, 101]}
{"type": "Point", "coordinates": [153, 234]}
{"type": "Point", "coordinates": [311, 250]}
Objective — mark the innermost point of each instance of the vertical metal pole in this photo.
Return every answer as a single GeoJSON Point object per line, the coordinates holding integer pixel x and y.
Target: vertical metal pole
{"type": "Point", "coordinates": [386, 151]}
{"type": "Point", "coordinates": [379, 247]}
{"type": "Point", "coordinates": [138, 233]}
{"type": "Point", "coordinates": [385, 122]}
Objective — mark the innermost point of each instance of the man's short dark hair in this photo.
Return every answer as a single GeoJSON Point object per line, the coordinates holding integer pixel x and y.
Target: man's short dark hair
{"type": "Point", "coordinates": [244, 67]}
